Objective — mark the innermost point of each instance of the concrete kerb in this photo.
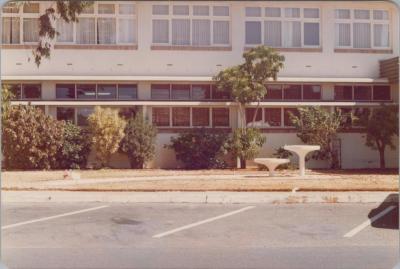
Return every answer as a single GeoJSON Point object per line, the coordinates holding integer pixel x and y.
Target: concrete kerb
{"type": "Point", "coordinates": [198, 197]}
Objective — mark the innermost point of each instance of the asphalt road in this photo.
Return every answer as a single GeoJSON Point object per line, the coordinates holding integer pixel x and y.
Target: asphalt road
{"type": "Point", "coordinates": [112, 236]}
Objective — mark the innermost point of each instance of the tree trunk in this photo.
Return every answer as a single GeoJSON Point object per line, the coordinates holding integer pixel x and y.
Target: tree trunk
{"type": "Point", "coordinates": [242, 163]}
{"type": "Point", "coordinates": [382, 157]}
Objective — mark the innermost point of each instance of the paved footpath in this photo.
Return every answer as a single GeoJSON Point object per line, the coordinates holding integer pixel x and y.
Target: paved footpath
{"type": "Point", "coordinates": [154, 235]}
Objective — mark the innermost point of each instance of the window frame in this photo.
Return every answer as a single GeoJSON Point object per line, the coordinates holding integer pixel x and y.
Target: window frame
{"type": "Point", "coordinates": [191, 125]}
{"type": "Point", "coordinates": [211, 17]}
{"type": "Point", "coordinates": [371, 21]}
{"type": "Point", "coordinates": [353, 99]}
{"type": "Point", "coordinates": [96, 15]}
{"type": "Point", "coordinates": [96, 90]}
{"type": "Point", "coordinates": [264, 18]}
{"type": "Point", "coordinates": [22, 15]}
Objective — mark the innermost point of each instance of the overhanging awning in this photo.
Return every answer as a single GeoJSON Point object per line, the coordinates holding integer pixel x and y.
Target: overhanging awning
{"type": "Point", "coordinates": [187, 79]}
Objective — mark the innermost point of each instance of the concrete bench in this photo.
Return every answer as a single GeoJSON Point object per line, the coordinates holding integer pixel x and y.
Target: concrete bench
{"type": "Point", "coordinates": [271, 163]}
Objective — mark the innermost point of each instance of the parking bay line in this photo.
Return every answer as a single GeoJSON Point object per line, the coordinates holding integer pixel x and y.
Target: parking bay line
{"type": "Point", "coordinates": [52, 217]}
{"type": "Point", "coordinates": [202, 222]}
{"type": "Point", "coordinates": [366, 223]}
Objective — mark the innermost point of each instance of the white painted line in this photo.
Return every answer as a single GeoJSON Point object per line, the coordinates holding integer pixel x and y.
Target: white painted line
{"type": "Point", "coordinates": [366, 223]}
{"type": "Point", "coordinates": [52, 217]}
{"type": "Point", "coordinates": [202, 222]}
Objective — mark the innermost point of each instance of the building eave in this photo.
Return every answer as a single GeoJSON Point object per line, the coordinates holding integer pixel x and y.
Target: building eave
{"type": "Point", "coordinates": [187, 79]}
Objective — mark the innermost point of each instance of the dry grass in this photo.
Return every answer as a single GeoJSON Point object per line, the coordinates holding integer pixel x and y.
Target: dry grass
{"type": "Point", "coordinates": [204, 180]}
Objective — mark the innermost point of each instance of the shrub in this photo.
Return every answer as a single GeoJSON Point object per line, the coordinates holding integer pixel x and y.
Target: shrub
{"type": "Point", "coordinates": [246, 143]}
{"type": "Point", "coordinates": [106, 130]}
{"type": "Point", "coordinates": [200, 149]}
{"type": "Point", "coordinates": [139, 141]}
{"type": "Point", "coordinates": [31, 139]}
{"type": "Point", "coordinates": [75, 149]}
{"type": "Point", "coordinates": [318, 126]}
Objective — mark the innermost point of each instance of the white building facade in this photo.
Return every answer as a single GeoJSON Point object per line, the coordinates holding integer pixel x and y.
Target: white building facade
{"type": "Point", "coordinates": [160, 57]}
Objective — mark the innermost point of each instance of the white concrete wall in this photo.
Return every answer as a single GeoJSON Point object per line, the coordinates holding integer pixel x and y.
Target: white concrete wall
{"type": "Point", "coordinates": [145, 61]}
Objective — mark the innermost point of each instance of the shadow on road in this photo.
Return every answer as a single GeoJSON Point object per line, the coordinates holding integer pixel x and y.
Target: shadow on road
{"type": "Point", "coordinates": [389, 220]}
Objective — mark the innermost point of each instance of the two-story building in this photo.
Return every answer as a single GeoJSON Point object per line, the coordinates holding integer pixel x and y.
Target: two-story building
{"type": "Point", "coordinates": [160, 57]}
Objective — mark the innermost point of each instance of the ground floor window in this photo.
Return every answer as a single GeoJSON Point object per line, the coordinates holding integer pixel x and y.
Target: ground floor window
{"type": "Point", "coordinates": [352, 116]}
{"type": "Point", "coordinates": [66, 114]}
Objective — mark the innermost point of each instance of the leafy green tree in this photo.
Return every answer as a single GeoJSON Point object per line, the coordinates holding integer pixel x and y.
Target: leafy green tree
{"type": "Point", "coordinates": [246, 144]}
{"type": "Point", "coordinates": [247, 84]}
{"type": "Point", "coordinates": [30, 139]}
{"type": "Point", "coordinates": [139, 141]}
{"type": "Point", "coordinates": [106, 130]}
{"type": "Point", "coordinates": [200, 148]}
{"type": "Point", "coordinates": [75, 148]}
{"type": "Point", "coordinates": [6, 96]}
{"type": "Point", "coordinates": [381, 129]}
{"type": "Point", "coordinates": [319, 126]}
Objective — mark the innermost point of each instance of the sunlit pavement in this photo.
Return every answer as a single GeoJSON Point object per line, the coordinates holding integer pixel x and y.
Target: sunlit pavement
{"type": "Point", "coordinates": [99, 235]}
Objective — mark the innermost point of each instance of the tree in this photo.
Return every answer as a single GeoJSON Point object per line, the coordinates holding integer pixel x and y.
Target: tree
{"type": "Point", "coordinates": [200, 148]}
{"type": "Point", "coordinates": [246, 143]}
{"type": "Point", "coordinates": [318, 126]}
{"type": "Point", "coordinates": [381, 128]}
{"type": "Point", "coordinates": [247, 84]}
{"type": "Point", "coordinates": [139, 141]}
{"type": "Point", "coordinates": [106, 130]}
{"type": "Point", "coordinates": [75, 148]}
{"type": "Point", "coordinates": [67, 10]}
{"type": "Point", "coordinates": [30, 139]}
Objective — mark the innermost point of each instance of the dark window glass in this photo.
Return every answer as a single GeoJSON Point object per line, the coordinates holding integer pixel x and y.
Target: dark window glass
{"type": "Point", "coordinates": [160, 91]}
{"type": "Point", "coordinates": [311, 92]}
{"type": "Point", "coordinates": [127, 92]}
{"type": "Point", "coordinates": [201, 92]}
{"type": "Point", "coordinates": [41, 108]}
{"type": "Point", "coordinates": [273, 117]}
{"type": "Point", "coordinates": [360, 114]}
{"type": "Point", "coordinates": [66, 113]}
{"type": "Point", "coordinates": [65, 91]}
{"type": "Point", "coordinates": [250, 112]}
{"type": "Point", "coordinates": [346, 117]}
{"type": "Point", "coordinates": [253, 32]}
{"type": "Point", "coordinates": [274, 92]}
{"type": "Point", "coordinates": [83, 114]}
{"type": "Point", "coordinates": [287, 112]}
{"type": "Point", "coordinates": [220, 117]}
{"type": "Point", "coordinates": [160, 116]}
{"type": "Point", "coordinates": [381, 92]}
{"type": "Point", "coordinates": [292, 92]}
{"type": "Point", "coordinates": [106, 92]}
{"type": "Point", "coordinates": [180, 91]}
{"type": "Point", "coordinates": [201, 116]}
{"type": "Point", "coordinates": [127, 112]}
{"type": "Point", "coordinates": [181, 116]}
{"type": "Point", "coordinates": [15, 90]}
{"type": "Point", "coordinates": [220, 94]}
{"type": "Point", "coordinates": [86, 91]}
{"type": "Point", "coordinates": [362, 93]}
{"type": "Point", "coordinates": [343, 92]}
{"type": "Point", "coordinates": [31, 91]}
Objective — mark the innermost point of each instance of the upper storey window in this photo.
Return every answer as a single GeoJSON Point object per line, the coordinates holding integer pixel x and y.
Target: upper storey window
{"type": "Point", "coordinates": [101, 23]}
{"type": "Point", "coordinates": [362, 28]}
{"type": "Point", "coordinates": [20, 23]}
{"type": "Point", "coordinates": [191, 25]}
{"type": "Point", "coordinates": [282, 27]}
